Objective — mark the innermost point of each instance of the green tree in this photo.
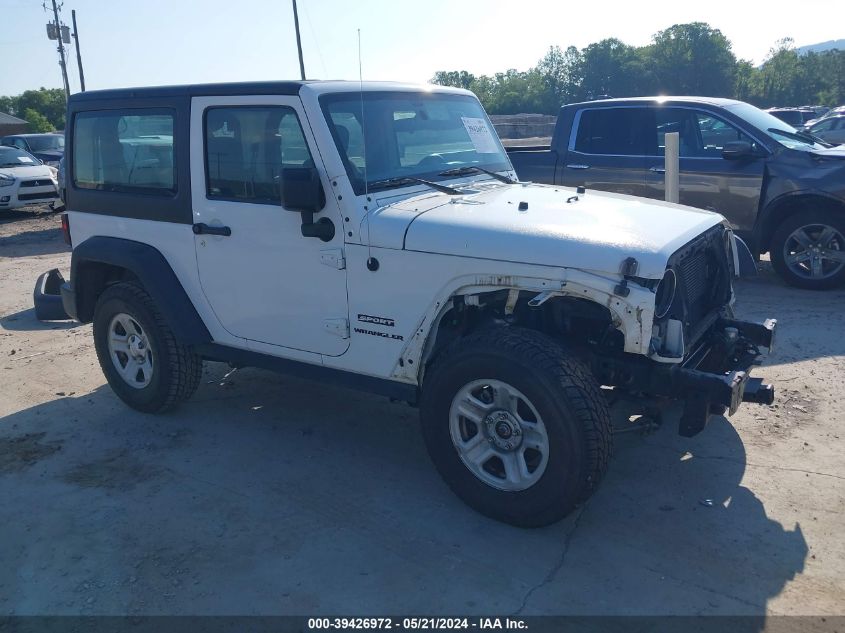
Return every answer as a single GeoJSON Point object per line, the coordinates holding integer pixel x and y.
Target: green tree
{"type": "Point", "coordinates": [560, 74]}
{"type": "Point", "coordinates": [779, 75]}
{"type": "Point", "coordinates": [746, 81]}
{"type": "Point", "coordinates": [454, 78]}
{"type": "Point", "coordinates": [611, 68]}
{"type": "Point", "coordinates": [48, 102]}
{"type": "Point", "coordinates": [37, 121]}
{"type": "Point", "coordinates": [693, 59]}
{"type": "Point", "coordinates": [685, 59]}
{"type": "Point", "coordinates": [832, 68]}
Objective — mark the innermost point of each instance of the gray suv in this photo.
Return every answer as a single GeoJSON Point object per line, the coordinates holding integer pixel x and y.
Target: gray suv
{"type": "Point", "coordinates": [782, 190]}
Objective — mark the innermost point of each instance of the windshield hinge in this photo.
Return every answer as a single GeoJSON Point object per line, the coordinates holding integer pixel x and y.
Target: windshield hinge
{"type": "Point", "coordinates": [338, 327]}
{"type": "Point", "coordinates": [333, 258]}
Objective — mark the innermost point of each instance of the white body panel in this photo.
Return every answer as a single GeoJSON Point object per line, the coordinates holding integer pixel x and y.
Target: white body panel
{"type": "Point", "coordinates": [265, 282]}
{"type": "Point", "coordinates": [176, 244]}
{"type": "Point", "coordinates": [412, 289]}
{"type": "Point", "coordinates": [595, 231]}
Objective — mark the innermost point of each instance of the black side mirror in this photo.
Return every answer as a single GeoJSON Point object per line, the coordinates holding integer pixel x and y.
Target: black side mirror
{"type": "Point", "coordinates": [303, 192]}
{"type": "Point", "coordinates": [735, 150]}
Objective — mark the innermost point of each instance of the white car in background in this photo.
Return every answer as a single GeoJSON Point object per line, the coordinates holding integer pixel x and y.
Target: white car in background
{"type": "Point", "coordinates": [25, 180]}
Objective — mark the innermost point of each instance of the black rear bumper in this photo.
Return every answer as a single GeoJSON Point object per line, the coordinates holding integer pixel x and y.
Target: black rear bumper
{"type": "Point", "coordinates": [53, 297]}
{"type": "Point", "coordinates": [713, 379]}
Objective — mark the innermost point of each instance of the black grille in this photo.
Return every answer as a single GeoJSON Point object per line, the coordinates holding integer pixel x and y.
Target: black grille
{"type": "Point", "coordinates": [38, 196]}
{"type": "Point", "coordinates": [697, 283]}
{"type": "Point", "coordinates": [43, 182]}
{"type": "Point", "coordinates": [703, 274]}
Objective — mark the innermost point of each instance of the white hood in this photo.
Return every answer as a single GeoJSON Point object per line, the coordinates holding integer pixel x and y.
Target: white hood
{"type": "Point", "coordinates": [596, 232]}
{"type": "Point", "coordinates": [28, 171]}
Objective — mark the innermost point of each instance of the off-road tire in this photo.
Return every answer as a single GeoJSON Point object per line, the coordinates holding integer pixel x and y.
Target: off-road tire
{"type": "Point", "coordinates": [782, 233]}
{"type": "Point", "coordinates": [176, 368]}
{"type": "Point", "coordinates": [565, 394]}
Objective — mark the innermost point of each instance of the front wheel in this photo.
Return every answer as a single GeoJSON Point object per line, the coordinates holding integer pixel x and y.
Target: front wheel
{"type": "Point", "coordinates": [142, 360]}
{"type": "Point", "coordinates": [808, 250]}
{"type": "Point", "coordinates": [516, 425]}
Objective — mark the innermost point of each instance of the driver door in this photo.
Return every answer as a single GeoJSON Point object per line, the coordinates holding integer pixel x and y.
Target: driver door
{"type": "Point", "coordinates": [264, 280]}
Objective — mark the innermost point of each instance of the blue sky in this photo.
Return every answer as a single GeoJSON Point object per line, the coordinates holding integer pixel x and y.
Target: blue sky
{"type": "Point", "coordinates": [156, 42]}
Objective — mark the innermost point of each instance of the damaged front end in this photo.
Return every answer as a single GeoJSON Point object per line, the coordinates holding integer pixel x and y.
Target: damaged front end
{"type": "Point", "coordinates": [699, 353]}
{"type": "Point", "coordinates": [713, 379]}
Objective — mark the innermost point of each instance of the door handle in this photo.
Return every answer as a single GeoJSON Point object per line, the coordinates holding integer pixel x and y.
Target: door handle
{"type": "Point", "coordinates": [577, 166]}
{"type": "Point", "coordinates": [658, 170]}
{"type": "Point", "coordinates": [205, 229]}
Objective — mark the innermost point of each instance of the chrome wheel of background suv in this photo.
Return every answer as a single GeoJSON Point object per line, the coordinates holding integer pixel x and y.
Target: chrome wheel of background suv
{"type": "Point", "coordinates": [815, 251]}
{"type": "Point", "coordinates": [808, 249]}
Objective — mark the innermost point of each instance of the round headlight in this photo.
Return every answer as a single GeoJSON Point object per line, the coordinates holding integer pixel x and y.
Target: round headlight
{"type": "Point", "coordinates": [664, 296]}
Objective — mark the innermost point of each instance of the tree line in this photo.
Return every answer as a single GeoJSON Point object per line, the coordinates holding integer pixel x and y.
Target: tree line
{"type": "Point", "coordinates": [44, 109]}
{"type": "Point", "coordinates": [685, 59]}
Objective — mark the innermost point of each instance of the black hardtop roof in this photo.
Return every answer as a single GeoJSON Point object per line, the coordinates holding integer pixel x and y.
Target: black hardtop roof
{"type": "Point", "coordinates": [193, 90]}
{"type": "Point", "coordinates": [716, 101]}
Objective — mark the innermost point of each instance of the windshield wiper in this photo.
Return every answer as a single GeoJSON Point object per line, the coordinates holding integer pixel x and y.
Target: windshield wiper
{"type": "Point", "coordinates": [398, 181]}
{"type": "Point", "coordinates": [469, 169]}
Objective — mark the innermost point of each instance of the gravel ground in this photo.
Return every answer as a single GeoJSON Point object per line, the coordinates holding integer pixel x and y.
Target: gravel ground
{"type": "Point", "coordinates": [268, 494]}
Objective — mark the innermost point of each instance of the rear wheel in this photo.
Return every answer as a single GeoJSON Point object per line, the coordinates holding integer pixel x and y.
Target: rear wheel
{"type": "Point", "coordinates": [516, 425]}
{"type": "Point", "coordinates": [138, 353]}
{"type": "Point", "coordinates": [808, 250]}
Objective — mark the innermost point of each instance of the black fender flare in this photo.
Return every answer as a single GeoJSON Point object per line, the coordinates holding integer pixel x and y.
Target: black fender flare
{"type": "Point", "coordinates": [777, 209]}
{"type": "Point", "coordinates": [150, 267]}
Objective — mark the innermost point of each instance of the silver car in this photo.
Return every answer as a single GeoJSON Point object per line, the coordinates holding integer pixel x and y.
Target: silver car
{"type": "Point", "coordinates": [830, 129]}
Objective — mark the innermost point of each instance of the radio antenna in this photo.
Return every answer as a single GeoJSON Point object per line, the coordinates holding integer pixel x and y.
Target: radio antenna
{"type": "Point", "coordinates": [372, 263]}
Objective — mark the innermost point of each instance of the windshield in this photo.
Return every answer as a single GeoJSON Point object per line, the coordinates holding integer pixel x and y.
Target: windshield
{"type": "Point", "coordinates": [410, 135]}
{"type": "Point", "coordinates": [48, 141]}
{"type": "Point", "coordinates": [776, 129]}
{"type": "Point", "coordinates": [14, 157]}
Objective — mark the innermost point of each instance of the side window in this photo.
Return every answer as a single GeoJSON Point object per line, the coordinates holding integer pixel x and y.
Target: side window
{"type": "Point", "coordinates": [701, 135]}
{"type": "Point", "coordinates": [715, 133]}
{"type": "Point", "coordinates": [823, 126]}
{"type": "Point", "coordinates": [20, 144]}
{"type": "Point", "coordinates": [124, 151]}
{"type": "Point", "coordinates": [614, 131]}
{"type": "Point", "coordinates": [246, 148]}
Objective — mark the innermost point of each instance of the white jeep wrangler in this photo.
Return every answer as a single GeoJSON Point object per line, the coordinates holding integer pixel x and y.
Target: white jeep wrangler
{"type": "Point", "coordinates": [374, 235]}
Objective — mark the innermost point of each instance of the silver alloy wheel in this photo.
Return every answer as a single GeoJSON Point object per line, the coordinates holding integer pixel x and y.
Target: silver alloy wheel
{"type": "Point", "coordinates": [130, 351]}
{"type": "Point", "coordinates": [815, 251]}
{"type": "Point", "coordinates": [499, 435]}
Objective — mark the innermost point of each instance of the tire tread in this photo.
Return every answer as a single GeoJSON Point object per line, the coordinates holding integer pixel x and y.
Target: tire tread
{"type": "Point", "coordinates": [184, 365]}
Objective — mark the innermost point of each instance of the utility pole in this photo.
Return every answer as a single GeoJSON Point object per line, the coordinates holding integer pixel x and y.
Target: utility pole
{"type": "Point", "coordinates": [78, 54]}
{"type": "Point", "coordinates": [56, 32]}
{"type": "Point", "coordinates": [298, 40]}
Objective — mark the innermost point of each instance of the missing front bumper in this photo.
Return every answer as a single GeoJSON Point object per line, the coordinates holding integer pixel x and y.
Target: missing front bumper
{"type": "Point", "coordinates": [714, 379]}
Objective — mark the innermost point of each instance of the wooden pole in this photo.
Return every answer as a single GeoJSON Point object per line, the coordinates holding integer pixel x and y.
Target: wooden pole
{"type": "Point", "coordinates": [78, 54]}
{"type": "Point", "coordinates": [298, 41]}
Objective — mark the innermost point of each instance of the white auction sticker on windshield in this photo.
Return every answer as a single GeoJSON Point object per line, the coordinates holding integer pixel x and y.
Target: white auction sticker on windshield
{"type": "Point", "coordinates": [480, 135]}
{"type": "Point", "coordinates": [25, 159]}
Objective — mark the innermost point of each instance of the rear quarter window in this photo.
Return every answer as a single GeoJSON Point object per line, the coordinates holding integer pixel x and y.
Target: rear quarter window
{"type": "Point", "coordinates": [614, 131]}
{"type": "Point", "coordinates": [125, 150]}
